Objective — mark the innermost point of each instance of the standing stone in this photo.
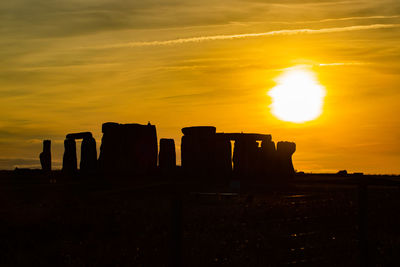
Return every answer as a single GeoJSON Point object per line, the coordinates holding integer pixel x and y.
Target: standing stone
{"type": "Point", "coordinates": [240, 164]}
{"type": "Point", "coordinates": [245, 155]}
{"type": "Point", "coordinates": [45, 156]}
{"type": "Point", "coordinates": [268, 157]}
{"type": "Point", "coordinates": [253, 157]}
{"type": "Point", "coordinates": [198, 150]}
{"type": "Point", "coordinates": [284, 151]}
{"type": "Point", "coordinates": [128, 148]}
{"type": "Point", "coordinates": [111, 148]}
{"type": "Point", "coordinates": [88, 162]}
{"type": "Point", "coordinates": [223, 155]}
{"type": "Point", "coordinates": [88, 155]}
{"type": "Point", "coordinates": [69, 158]}
{"type": "Point", "coordinates": [167, 157]}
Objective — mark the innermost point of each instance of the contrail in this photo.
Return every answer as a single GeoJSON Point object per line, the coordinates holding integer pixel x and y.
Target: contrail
{"type": "Point", "coordinates": [246, 35]}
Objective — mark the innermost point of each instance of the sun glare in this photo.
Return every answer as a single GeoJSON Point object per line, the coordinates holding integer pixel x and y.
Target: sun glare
{"type": "Point", "coordinates": [298, 97]}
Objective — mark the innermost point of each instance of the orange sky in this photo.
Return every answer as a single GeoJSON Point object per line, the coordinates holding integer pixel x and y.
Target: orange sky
{"type": "Point", "coordinates": [69, 66]}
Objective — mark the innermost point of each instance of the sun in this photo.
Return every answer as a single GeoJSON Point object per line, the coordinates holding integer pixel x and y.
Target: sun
{"type": "Point", "coordinates": [298, 97]}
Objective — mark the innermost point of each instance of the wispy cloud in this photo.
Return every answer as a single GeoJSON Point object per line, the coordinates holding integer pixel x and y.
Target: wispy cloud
{"type": "Point", "coordinates": [360, 18]}
{"type": "Point", "coordinates": [249, 35]}
{"type": "Point", "coordinates": [338, 19]}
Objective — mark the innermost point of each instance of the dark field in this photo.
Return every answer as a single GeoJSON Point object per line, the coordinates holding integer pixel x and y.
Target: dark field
{"type": "Point", "coordinates": [313, 221]}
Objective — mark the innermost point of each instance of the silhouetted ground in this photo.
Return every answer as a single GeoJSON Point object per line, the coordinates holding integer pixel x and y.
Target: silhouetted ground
{"type": "Point", "coordinates": [105, 222]}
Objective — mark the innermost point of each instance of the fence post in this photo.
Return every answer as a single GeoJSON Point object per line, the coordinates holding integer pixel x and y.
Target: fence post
{"type": "Point", "coordinates": [176, 231]}
{"type": "Point", "coordinates": [363, 221]}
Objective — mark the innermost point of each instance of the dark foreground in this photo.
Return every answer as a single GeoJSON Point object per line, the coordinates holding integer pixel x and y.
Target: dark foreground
{"type": "Point", "coordinates": [313, 221]}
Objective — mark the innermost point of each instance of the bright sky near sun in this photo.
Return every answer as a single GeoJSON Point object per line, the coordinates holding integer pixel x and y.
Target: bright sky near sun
{"type": "Point", "coordinates": [297, 97]}
{"type": "Point", "coordinates": [70, 65]}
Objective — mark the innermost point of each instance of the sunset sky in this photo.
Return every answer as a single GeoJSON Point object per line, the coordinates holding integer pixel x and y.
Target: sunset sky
{"type": "Point", "coordinates": [70, 65]}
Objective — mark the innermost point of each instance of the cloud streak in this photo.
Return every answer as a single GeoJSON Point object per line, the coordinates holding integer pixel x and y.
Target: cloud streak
{"type": "Point", "coordinates": [249, 35]}
{"type": "Point", "coordinates": [339, 19]}
{"type": "Point", "coordinates": [359, 18]}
